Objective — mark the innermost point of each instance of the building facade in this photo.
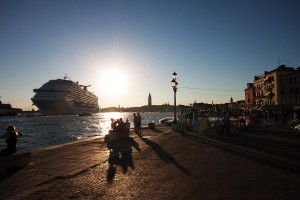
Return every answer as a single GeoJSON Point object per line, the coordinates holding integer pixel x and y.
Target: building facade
{"type": "Point", "coordinates": [249, 94]}
{"type": "Point", "coordinates": [277, 87]}
{"type": "Point", "coordinates": [289, 89]}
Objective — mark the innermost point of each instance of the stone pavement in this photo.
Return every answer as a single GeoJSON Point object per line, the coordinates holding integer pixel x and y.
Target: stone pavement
{"type": "Point", "coordinates": [53, 162]}
{"type": "Point", "coordinates": [254, 164]}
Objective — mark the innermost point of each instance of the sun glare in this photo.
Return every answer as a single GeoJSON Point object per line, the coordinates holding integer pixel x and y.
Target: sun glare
{"type": "Point", "coordinates": [114, 82]}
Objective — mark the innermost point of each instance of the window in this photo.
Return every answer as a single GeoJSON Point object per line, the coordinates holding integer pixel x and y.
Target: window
{"type": "Point", "coordinates": [291, 91]}
{"type": "Point", "coordinates": [296, 90]}
{"type": "Point", "coordinates": [282, 92]}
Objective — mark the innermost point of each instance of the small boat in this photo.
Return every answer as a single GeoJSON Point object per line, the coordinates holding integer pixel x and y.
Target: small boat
{"type": "Point", "coordinates": [85, 114]}
{"type": "Point", "coordinates": [166, 121]}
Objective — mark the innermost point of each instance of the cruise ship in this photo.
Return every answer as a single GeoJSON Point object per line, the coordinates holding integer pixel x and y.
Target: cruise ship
{"type": "Point", "coordinates": [65, 97]}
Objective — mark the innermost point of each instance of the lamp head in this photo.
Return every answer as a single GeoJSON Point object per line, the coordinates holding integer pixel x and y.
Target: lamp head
{"type": "Point", "coordinates": [176, 84]}
{"type": "Point", "coordinates": [174, 75]}
{"type": "Point", "coordinates": [173, 83]}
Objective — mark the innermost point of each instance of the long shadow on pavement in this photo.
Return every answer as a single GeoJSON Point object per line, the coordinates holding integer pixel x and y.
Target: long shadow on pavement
{"type": "Point", "coordinates": [120, 155]}
{"type": "Point", "coordinates": [288, 148]}
{"type": "Point", "coordinates": [163, 154]}
{"type": "Point", "coordinates": [7, 173]}
{"type": "Point", "coordinates": [255, 148]}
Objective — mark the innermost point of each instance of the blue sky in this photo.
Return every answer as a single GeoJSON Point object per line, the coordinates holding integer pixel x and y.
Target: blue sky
{"type": "Point", "coordinates": [211, 44]}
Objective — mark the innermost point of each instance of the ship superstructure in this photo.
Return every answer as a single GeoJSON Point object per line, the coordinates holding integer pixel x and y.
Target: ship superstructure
{"type": "Point", "coordinates": [65, 97]}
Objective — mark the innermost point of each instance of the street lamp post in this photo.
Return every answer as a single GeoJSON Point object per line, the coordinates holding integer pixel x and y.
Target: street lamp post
{"type": "Point", "coordinates": [174, 86]}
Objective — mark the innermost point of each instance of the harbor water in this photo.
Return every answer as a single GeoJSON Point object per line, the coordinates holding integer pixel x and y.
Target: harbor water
{"type": "Point", "coordinates": [44, 131]}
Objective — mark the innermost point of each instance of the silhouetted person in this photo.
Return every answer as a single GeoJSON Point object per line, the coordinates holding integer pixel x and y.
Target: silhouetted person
{"type": "Point", "coordinates": [195, 122]}
{"type": "Point", "coordinates": [182, 121]}
{"type": "Point", "coordinates": [113, 124]}
{"type": "Point", "coordinates": [127, 125]}
{"type": "Point", "coordinates": [139, 123]}
{"type": "Point", "coordinates": [121, 125]}
{"type": "Point", "coordinates": [135, 122]}
{"type": "Point", "coordinates": [11, 135]}
{"type": "Point", "coordinates": [242, 122]}
{"type": "Point", "coordinates": [226, 125]}
{"type": "Point", "coordinates": [284, 118]}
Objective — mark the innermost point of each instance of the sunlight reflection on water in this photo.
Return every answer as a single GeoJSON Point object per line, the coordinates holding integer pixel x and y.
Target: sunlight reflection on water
{"type": "Point", "coordinates": [43, 131]}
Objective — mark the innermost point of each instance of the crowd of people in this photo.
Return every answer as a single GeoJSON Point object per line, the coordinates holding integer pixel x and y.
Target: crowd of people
{"type": "Point", "coordinates": [197, 121]}
{"type": "Point", "coordinates": [191, 120]}
{"type": "Point", "coordinates": [118, 125]}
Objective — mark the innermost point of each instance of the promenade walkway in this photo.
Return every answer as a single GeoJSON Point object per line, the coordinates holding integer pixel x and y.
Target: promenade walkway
{"type": "Point", "coordinates": [54, 162]}
{"type": "Point", "coordinates": [262, 163]}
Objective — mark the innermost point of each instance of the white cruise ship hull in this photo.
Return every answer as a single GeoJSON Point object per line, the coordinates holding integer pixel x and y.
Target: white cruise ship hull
{"type": "Point", "coordinates": [64, 97]}
{"type": "Point", "coordinates": [62, 108]}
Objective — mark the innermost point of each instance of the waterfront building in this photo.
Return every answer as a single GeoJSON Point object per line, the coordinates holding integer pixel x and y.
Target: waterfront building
{"type": "Point", "coordinates": [7, 110]}
{"type": "Point", "coordinates": [249, 96]}
{"type": "Point", "coordinates": [277, 87]}
{"type": "Point", "coordinates": [289, 87]}
{"type": "Point", "coordinates": [234, 106]}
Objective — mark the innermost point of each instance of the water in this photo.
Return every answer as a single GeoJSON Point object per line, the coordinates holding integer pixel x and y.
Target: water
{"type": "Point", "coordinates": [44, 131]}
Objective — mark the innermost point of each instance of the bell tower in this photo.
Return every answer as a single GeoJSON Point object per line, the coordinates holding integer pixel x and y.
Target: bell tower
{"type": "Point", "coordinates": [149, 100]}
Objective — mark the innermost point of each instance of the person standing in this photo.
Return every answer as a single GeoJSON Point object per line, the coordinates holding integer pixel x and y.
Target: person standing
{"type": "Point", "coordinates": [181, 121]}
{"type": "Point", "coordinates": [127, 126]}
{"type": "Point", "coordinates": [135, 122]}
{"type": "Point", "coordinates": [295, 116]}
{"type": "Point", "coordinates": [121, 125]}
{"type": "Point", "coordinates": [139, 123]}
{"type": "Point", "coordinates": [189, 121]}
{"type": "Point", "coordinates": [195, 122]}
{"type": "Point", "coordinates": [226, 125]}
{"type": "Point", "coordinates": [284, 118]}
{"type": "Point", "coordinates": [11, 135]}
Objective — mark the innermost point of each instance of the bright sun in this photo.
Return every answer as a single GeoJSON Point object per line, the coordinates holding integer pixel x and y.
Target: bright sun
{"type": "Point", "coordinates": [114, 82]}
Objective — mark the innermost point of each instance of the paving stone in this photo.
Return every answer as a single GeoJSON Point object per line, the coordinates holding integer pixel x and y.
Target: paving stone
{"type": "Point", "coordinates": [255, 164]}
